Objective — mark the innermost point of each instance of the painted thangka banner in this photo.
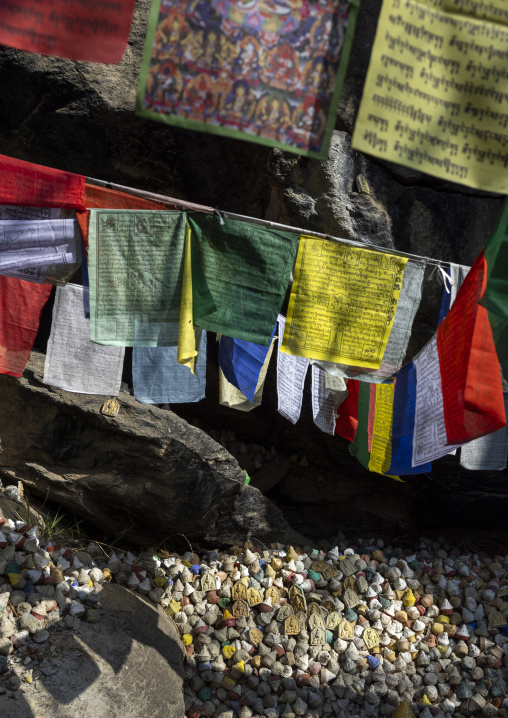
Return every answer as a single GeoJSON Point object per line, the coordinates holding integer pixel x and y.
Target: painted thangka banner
{"type": "Point", "coordinates": [135, 272]}
{"type": "Point", "coordinates": [291, 373]}
{"type": "Point", "coordinates": [91, 30]}
{"type": "Point", "coordinates": [73, 362]}
{"type": "Point", "coordinates": [409, 301]}
{"type": "Point", "coordinates": [240, 274]}
{"type": "Point", "coordinates": [328, 393]}
{"type": "Point", "coordinates": [488, 453]}
{"type": "Point", "coordinates": [436, 94]}
{"type": "Point", "coordinates": [158, 378]}
{"type": "Point", "coordinates": [343, 302]}
{"type": "Point", "coordinates": [268, 71]}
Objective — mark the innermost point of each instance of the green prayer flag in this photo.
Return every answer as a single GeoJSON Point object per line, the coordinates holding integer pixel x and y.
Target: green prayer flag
{"type": "Point", "coordinates": [135, 261]}
{"type": "Point", "coordinates": [240, 274]}
{"type": "Point", "coordinates": [495, 298]}
{"type": "Point", "coordinates": [360, 445]}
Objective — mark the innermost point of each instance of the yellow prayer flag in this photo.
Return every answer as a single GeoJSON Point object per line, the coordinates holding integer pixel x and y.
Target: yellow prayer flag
{"type": "Point", "coordinates": [342, 304]}
{"type": "Point", "coordinates": [436, 94]}
{"type": "Point", "coordinates": [188, 344]}
{"type": "Point", "coordinates": [381, 448]}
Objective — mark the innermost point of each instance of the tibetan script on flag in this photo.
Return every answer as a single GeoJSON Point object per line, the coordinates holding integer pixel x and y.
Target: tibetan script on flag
{"type": "Point", "coordinates": [436, 94]}
{"type": "Point", "coordinates": [268, 71]}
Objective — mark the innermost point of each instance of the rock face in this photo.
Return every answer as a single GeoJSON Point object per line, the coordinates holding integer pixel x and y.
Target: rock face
{"type": "Point", "coordinates": [131, 664]}
{"type": "Point", "coordinates": [80, 117]}
{"type": "Point", "coordinates": [146, 473]}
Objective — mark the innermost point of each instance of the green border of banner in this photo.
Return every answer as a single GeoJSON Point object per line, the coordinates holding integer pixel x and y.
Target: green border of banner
{"type": "Point", "coordinates": [237, 134]}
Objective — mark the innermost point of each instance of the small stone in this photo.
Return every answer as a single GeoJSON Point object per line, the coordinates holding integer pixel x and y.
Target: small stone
{"type": "Point", "coordinates": [41, 636]}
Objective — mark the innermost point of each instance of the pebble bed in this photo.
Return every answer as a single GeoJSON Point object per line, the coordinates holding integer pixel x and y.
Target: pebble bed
{"type": "Point", "coordinates": [347, 630]}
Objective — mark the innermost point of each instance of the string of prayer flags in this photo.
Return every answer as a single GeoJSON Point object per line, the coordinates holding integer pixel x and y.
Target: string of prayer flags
{"type": "Point", "coordinates": [87, 30]}
{"type": "Point", "coordinates": [434, 96]}
{"type": "Point", "coordinates": [21, 305]}
{"type": "Point", "coordinates": [343, 302]}
{"type": "Point", "coordinates": [158, 378]}
{"type": "Point", "coordinates": [270, 73]}
{"type": "Point", "coordinates": [328, 393]}
{"type": "Point", "coordinates": [347, 413]}
{"type": "Point", "coordinates": [381, 444]}
{"type": "Point", "coordinates": [471, 376]}
{"type": "Point", "coordinates": [73, 362]}
{"type": "Point", "coordinates": [360, 444]}
{"type": "Point", "coordinates": [495, 298]}
{"type": "Point", "coordinates": [241, 363]}
{"type": "Point", "coordinates": [232, 397]}
{"type": "Point", "coordinates": [488, 453]}
{"type": "Point", "coordinates": [409, 301]}
{"type": "Point", "coordinates": [403, 425]}
{"type": "Point", "coordinates": [24, 183]}
{"type": "Point", "coordinates": [240, 274]}
{"type": "Point", "coordinates": [430, 439]}
{"type": "Point", "coordinates": [135, 264]}
{"type": "Point", "coordinates": [97, 197]}
{"type": "Point", "coordinates": [291, 373]}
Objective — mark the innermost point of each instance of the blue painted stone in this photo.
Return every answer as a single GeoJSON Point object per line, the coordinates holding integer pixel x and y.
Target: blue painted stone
{"type": "Point", "coordinates": [28, 588]}
{"type": "Point", "coordinates": [350, 615]}
{"type": "Point", "coordinates": [329, 637]}
{"type": "Point", "coordinates": [205, 666]}
{"type": "Point", "coordinates": [205, 694]}
{"type": "Point", "coordinates": [262, 563]}
{"type": "Point", "coordinates": [195, 569]}
{"type": "Point", "coordinates": [373, 662]}
{"type": "Point", "coordinates": [235, 705]}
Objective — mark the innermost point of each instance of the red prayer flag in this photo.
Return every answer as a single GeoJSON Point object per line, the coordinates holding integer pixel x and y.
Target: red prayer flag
{"type": "Point", "coordinates": [86, 30]}
{"type": "Point", "coordinates": [347, 420]}
{"type": "Point", "coordinates": [38, 186]}
{"type": "Point", "coordinates": [372, 412]}
{"type": "Point", "coordinates": [470, 372]}
{"type": "Point", "coordinates": [103, 198]}
{"type": "Point", "coordinates": [21, 305]}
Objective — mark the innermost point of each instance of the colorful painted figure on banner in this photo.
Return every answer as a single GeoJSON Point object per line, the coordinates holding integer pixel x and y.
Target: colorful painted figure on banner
{"type": "Point", "coordinates": [263, 67]}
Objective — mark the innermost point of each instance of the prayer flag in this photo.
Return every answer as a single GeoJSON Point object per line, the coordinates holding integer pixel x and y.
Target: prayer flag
{"type": "Point", "coordinates": [89, 30]}
{"type": "Point", "coordinates": [240, 273]}
{"type": "Point", "coordinates": [435, 94]}
{"type": "Point", "coordinates": [241, 363]}
{"type": "Point", "coordinates": [381, 445]}
{"type": "Point", "coordinates": [396, 346]}
{"type": "Point", "coordinates": [347, 414]}
{"type": "Point", "coordinates": [495, 298]}
{"type": "Point", "coordinates": [403, 424]}
{"type": "Point", "coordinates": [360, 444]}
{"type": "Point", "coordinates": [291, 373]}
{"type": "Point", "coordinates": [73, 362]}
{"type": "Point", "coordinates": [37, 243]}
{"type": "Point", "coordinates": [470, 373]}
{"type": "Point", "coordinates": [232, 397]}
{"type": "Point", "coordinates": [458, 273]}
{"type": "Point", "coordinates": [135, 271]}
{"type": "Point", "coordinates": [28, 184]}
{"type": "Point", "coordinates": [158, 378]}
{"type": "Point", "coordinates": [97, 197]}
{"type": "Point", "coordinates": [268, 72]}
{"type": "Point", "coordinates": [488, 453]}
{"type": "Point", "coordinates": [343, 302]}
{"type": "Point", "coordinates": [328, 393]}
{"type": "Point", "coordinates": [21, 305]}
{"type": "Point", "coordinates": [372, 413]}
{"type": "Point", "coordinates": [188, 336]}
